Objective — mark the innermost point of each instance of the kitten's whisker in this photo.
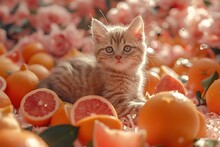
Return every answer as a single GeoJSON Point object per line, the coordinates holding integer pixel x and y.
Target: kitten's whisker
{"type": "Point", "coordinates": [106, 21]}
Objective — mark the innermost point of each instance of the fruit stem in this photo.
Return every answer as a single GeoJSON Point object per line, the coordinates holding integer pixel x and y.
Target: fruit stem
{"type": "Point", "coordinates": [23, 67]}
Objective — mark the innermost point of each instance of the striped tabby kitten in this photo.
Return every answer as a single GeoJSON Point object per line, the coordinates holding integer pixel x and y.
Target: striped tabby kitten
{"type": "Point", "coordinates": [115, 71]}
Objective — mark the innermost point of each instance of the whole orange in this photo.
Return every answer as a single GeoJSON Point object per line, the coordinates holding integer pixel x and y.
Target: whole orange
{"type": "Point", "coordinates": [40, 71]}
{"type": "Point", "coordinates": [170, 119]}
{"type": "Point", "coordinates": [30, 49]}
{"type": "Point", "coordinates": [212, 97]}
{"type": "Point", "coordinates": [20, 83]}
{"type": "Point", "coordinates": [14, 138]}
{"type": "Point", "coordinates": [200, 70]}
{"type": "Point", "coordinates": [7, 67]}
{"type": "Point", "coordinates": [202, 126]}
{"type": "Point", "coordinates": [44, 59]}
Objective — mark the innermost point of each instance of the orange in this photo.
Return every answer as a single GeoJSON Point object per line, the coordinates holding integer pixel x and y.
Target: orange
{"type": "Point", "coordinates": [91, 105]}
{"type": "Point", "coordinates": [4, 99]}
{"type": "Point", "coordinates": [61, 116]}
{"type": "Point", "coordinates": [200, 70]}
{"type": "Point", "coordinates": [86, 125]}
{"type": "Point", "coordinates": [170, 119]}
{"type": "Point", "coordinates": [13, 138]}
{"type": "Point", "coordinates": [3, 84]}
{"type": "Point", "coordinates": [40, 71]}
{"type": "Point", "coordinates": [212, 97]}
{"type": "Point", "coordinates": [7, 67]}
{"type": "Point", "coordinates": [202, 126]}
{"type": "Point", "coordinates": [44, 59]}
{"type": "Point", "coordinates": [20, 83]}
{"type": "Point", "coordinates": [30, 49]}
{"type": "Point", "coordinates": [70, 54]}
{"type": "Point", "coordinates": [152, 79]}
{"type": "Point", "coordinates": [103, 136]}
{"type": "Point", "coordinates": [38, 106]}
{"type": "Point", "coordinates": [2, 49]}
{"type": "Point", "coordinates": [7, 119]}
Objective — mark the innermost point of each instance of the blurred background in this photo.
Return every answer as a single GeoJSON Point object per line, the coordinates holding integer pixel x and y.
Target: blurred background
{"type": "Point", "coordinates": [174, 28]}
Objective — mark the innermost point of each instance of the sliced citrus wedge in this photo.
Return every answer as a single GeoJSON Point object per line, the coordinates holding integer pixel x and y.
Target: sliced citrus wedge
{"type": "Point", "coordinates": [38, 106]}
{"type": "Point", "coordinates": [91, 105]}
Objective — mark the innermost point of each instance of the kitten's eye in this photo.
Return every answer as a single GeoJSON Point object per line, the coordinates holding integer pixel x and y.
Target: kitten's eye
{"type": "Point", "coordinates": [109, 49]}
{"type": "Point", "coordinates": [127, 48]}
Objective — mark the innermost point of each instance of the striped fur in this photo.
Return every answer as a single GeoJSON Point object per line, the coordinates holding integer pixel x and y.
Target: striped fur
{"type": "Point", "coordinates": [118, 80]}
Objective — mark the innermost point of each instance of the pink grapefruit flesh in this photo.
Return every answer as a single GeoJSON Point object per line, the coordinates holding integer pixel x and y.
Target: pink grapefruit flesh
{"type": "Point", "coordinates": [38, 106]}
{"type": "Point", "coordinates": [91, 105]}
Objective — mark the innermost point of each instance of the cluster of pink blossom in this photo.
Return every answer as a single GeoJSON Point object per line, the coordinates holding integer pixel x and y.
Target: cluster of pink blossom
{"type": "Point", "coordinates": [59, 25]}
{"type": "Point", "coordinates": [63, 24]}
{"type": "Point", "coordinates": [188, 23]}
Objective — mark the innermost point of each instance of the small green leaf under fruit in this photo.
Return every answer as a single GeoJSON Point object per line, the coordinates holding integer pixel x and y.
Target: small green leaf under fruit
{"type": "Point", "coordinates": [206, 83]}
{"type": "Point", "coordinates": [60, 135]}
{"type": "Point", "coordinates": [201, 100]}
{"type": "Point", "coordinates": [202, 142]}
{"type": "Point", "coordinates": [90, 144]}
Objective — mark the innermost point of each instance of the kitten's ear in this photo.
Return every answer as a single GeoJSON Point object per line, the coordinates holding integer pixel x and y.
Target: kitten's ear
{"type": "Point", "coordinates": [99, 31]}
{"type": "Point", "coordinates": [136, 28]}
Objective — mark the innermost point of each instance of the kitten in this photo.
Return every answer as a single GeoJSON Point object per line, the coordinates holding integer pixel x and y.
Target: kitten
{"type": "Point", "coordinates": [115, 71]}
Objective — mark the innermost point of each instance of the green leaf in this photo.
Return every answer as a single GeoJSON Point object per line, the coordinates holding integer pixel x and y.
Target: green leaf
{"type": "Point", "coordinates": [30, 128]}
{"type": "Point", "coordinates": [60, 135]}
{"type": "Point", "coordinates": [207, 3]}
{"type": "Point", "coordinates": [201, 142]}
{"type": "Point", "coordinates": [108, 4]}
{"type": "Point", "coordinates": [208, 81]}
{"type": "Point", "coordinates": [89, 144]}
{"type": "Point", "coordinates": [201, 100]}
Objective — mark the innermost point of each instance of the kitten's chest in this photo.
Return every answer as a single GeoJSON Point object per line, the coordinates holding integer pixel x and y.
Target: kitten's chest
{"type": "Point", "coordinates": [121, 82]}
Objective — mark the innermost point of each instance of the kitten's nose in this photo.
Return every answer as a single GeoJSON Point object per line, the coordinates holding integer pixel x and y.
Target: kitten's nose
{"type": "Point", "coordinates": [118, 57]}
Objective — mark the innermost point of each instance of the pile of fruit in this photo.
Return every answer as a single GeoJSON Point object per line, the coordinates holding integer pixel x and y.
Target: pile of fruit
{"type": "Point", "coordinates": [182, 87]}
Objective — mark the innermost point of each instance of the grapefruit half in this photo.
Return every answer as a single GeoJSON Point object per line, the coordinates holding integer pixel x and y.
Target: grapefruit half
{"type": "Point", "coordinates": [91, 105]}
{"type": "Point", "coordinates": [38, 106]}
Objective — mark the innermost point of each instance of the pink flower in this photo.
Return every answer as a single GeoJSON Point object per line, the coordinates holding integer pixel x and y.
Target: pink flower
{"type": "Point", "coordinates": [191, 32]}
{"type": "Point", "coordinates": [211, 30]}
{"type": "Point", "coordinates": [60, 42]}
{"type": "Point", "coordinates": [46, 16]}
{"type": "Point", "coordinates": [121, 14]}
{"type": "Point", "coordinates": [4, 12]}
{"type": "Point", "coordinates": [83, 7]}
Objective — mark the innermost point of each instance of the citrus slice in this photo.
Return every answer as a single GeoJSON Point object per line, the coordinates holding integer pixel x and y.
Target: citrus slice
{"type": "Point", "coordinates": [91, 105]}
{"type": "Point", "coordinates": [86, 126]}
{"type": "Point", "coordinates": [169, 83]}
{"type": "Point", "coordinates": [2, 84]}
{"type": "Point", "coordinates": [61, 116]}
{"type": "Point", "coordinates": [38, 106]}
{"type": "Point", "coordinates": [103, 136]}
